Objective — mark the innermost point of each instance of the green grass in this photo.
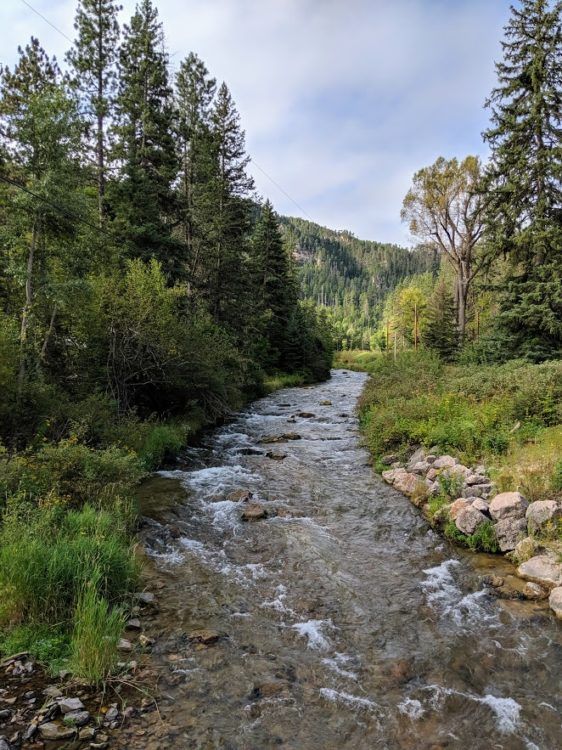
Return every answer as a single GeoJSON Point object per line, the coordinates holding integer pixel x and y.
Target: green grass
{"type": "Point", "coordinates": [284, 380]}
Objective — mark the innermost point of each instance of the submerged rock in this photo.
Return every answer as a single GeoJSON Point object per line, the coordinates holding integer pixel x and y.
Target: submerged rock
{"type": "Point", "coordinates": [524, 550]}
{"type": "Point", "coordinates": [239, 496]}
{"type": "Point", "coordinates": [534, 591]}
{"type": "Point", "coordinates": [205, 636]}
{"type": "Point", "coordinates": [254, 512]}
{"type": "Point", "coordinates": [543, 570]}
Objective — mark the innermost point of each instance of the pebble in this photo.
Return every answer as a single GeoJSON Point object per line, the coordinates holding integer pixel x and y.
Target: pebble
{"type": "Point", "coordinates": [70, 705]}
{"type": "Point", "coordinates": [124, 645]}
{"type": "Point", "coordinates": [133, 624]}
{"type": "Point", "coordinates": [76, 718]}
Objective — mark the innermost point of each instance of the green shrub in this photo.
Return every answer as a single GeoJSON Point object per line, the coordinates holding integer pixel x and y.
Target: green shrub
{"type": "Point", "coordinates": [557, 477]}
{"type": "Point", "coordinates": [95, 636]}
{"type": "Point", "coordinates": [46, 644]}
{"type": "Point", "coordinates": [483, 540]}
{"type": "Point", "coordinates": [163, 441]}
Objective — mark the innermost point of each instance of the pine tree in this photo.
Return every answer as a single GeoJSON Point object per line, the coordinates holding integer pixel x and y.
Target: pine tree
{"type": "Point", "coordinates": [276, 292]}
{"type": "Point", "coordinates": [524, 215]}
{"type": "Point", "coordinates": [93, 58]}
{"type": "Point", "coordinates": [195, 90]}
{"type": "Point", "coordinates": [440, 332]}
{"type": "Point", "coordinates": [226, 217]}
{"type": "Point", "coordinates": [144, 201]}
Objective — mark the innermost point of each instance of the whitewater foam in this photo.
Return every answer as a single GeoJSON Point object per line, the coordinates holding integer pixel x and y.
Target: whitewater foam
{"type": "Point", "coordinates": [312, 630]}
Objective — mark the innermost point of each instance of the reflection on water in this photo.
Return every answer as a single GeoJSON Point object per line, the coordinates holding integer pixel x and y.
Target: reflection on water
{"type": "Point", "coordinates": [347, 622]}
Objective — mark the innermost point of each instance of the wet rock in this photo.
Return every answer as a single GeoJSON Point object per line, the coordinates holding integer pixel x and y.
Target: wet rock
{"type": "Point", "coordinates": [325, 403]}
{"type": "Point", "coordinates": [495, 582]}
{"type": "Point", "coordinates": [124, 645]}
{"type": "Point", "coordinates": [469, 519]}
{"type": "Point", "coordinates": [534, 591]}
{"type": "Point", "coordinates": [254, 512]}
{"type": "Point", "coordinates": [145, 641]}
{"type": "Point", "coordinates": [510, 531]}
{"type": "Point", "coordinates": [306, 415]}
{"type": "Point", "coordinates": [508, 505]}
{"type": "Point", "coordinates": [457, 506]}
{"type": "Point", "coordinates": [67, 705]}
{"type": "Point", "coordinates": [133, 624]}
{"type": "Point", "coordinates": [53, 731]}
{"type": "Point", "coordinates": [541, 513]}
{"type": "Point", "coordinates": [239, 496]}
{"type": "Point", "coordinates": [445, 462]}
{"type": "Point", "coordinates": [276, 456]}
{"type": "Point", "coordinates": [281, 438]}
{"type": "Point", "coordinates": [87, 733]}
{"type": "Point", "coordinates": [543, 570]}
{"type": "Point", "coordinates": [555, 601]}
{"type": "Point", "coordinates": [4, 744]}
{"type": "Point", "coordinates": [145, 597]}
{"type": "Point", "coordinates": [524, 550]}
{"type": "Point", "coordinates": [205, 636]}
{"type": "Point", "coordinates": [76, 718]}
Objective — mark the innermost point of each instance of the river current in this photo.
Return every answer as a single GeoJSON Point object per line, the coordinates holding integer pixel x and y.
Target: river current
{"type": "Point", "coordinates": [344, 620]}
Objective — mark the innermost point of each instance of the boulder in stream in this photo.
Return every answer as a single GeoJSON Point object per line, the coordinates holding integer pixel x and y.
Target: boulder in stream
{"type": "Point", "coordinates": [543, 570]}
{"type": "Point", "coordinates": [555, 601]}
{"type": "Point", "coordinates": [254, 512]}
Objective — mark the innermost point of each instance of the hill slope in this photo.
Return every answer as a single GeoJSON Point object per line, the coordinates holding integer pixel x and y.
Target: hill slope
{"type": "Point", "coordinates": [349, 276]}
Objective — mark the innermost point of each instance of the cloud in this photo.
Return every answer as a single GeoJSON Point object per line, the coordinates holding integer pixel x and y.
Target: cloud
{"type": "Point", "coordinates": [342, 100]}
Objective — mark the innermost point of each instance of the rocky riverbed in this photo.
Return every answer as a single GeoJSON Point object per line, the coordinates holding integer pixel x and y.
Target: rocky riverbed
{"type": "Point", "coordinates": [520, 529]}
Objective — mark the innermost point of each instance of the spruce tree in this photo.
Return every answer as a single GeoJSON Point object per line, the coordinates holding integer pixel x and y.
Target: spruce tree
{"type": "Point", "coordinates": [93, 58]}
{"type": "Point", "coordinates": [144, 200]}
{"type": "Point", "coordinates": [440, 332]}
{"type": "Point", "coordinates": [524, 215]}
{"type": "Point", "coordinates": [276, 293]}
{"type": "Point", "coordinates": [195, 90]}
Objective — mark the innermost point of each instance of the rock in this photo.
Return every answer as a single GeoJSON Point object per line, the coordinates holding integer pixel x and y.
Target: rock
{"type": "Point", "coordinates": [475, 479]}
{"type": "Point", "coordinates": [481, 506]}
{"type": "Point", "coordinates": [456, 507]}
{"type": "Point", "coordinates": [496, 582]}
{"type": "Point", "coordinates": [4, 744]}
{"type": "Point", "coordinates": [457, 472]}
{"type": "Point", "coordinates": [478, 490]}
{"type": "Point", "coordinates": [53, 731]}
{"type": "Point", "coordinates": [145, 597]}
{"type": "Point", "coordinates": [254, 512]}
{"type": "Point", "coordinates": [421, 468]}
{"type": "Point", "coordinates": [509, 531]}
{"type": "Point", "coordinates": [76, 718]}
{"type": "Point", "coordinates": [325, 403]}
{"type": "Point", "coordinates": [555, 601]}
{"type": "Point", "coordinates": [432, 474]}
{"type": "Point", "coordinates": [276, 456]}
{"type": "Point", "coordinates": [389, 460]}
{"type": "Point", "coordinates": [416, 457]}
{"type": "Point", "coordinates": [445, 462]}
{"type": "Point", "coordinates": [52, 692]}
{"type": "Point", "coordinates": [305, 415]}
{"type": "Point", "coordinates": [205, 636]}
{"type": "Point", "coordinates": [524, 550]}
{"type": "Point", "coordinates": [111, 714]}
{"type": "Point", "coordinates": [133, 624]}
{"type": "Point", "coordinates": [390, 475]}
{"type": "Point", "coordinates": [469, 519]}
{"type": "Point", "coordinates": [534, 591]}
{"type": "Point", "coordinates": [431, 459]}
{"type": "Point", "coordinates": [5, 714]}
{"type": "Point", "coordinates": [540, 513]}
{"type": "Point", "coordinates": [407, 483]}
{"type": "Point", "coordinates": [145, 641]}
{"type": "Point", "coordinates": [543, 570]}
{"type": "Point", "coordinates": [87, 733]}
{"type": "Point", "coordinates": [67, 705]}
{"type": "Point", "coordinates": [281, 438]}
{"type": "Point", "coordinates": [508, 505]}
{"type": "Point", "coordinates": [124, 645]}
{"type": "Point", "coordinates": [239, 496]}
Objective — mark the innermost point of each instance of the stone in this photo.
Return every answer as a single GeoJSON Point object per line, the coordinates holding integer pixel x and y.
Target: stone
{"type": "Point", "coordinates": [458, 472]}
{"type": "Point", "coordinates": [76, 718]}
{"type": "Point", "coordinates": [480, 505]}
{"type": "Point", "coordinates": [67, 705]}
{"type": "Point", "coordinates": [239, 496]}
{"type": "Point", "coordinates": [391, 474]}
{"type": "Point", "coordinates": [205, 635]}
{"type": "Point", "coordinates": [406, 483]}
{"type": "Point", "coordinates": [5, 714]}
{"type": "Point", "coordinates": [325, 403]}
{"type": "Point", "coordinates": [534, 591]}
{"type": "Point", "coordinates": [389, 460]}
{"type": "Point", "coordinates": [111, 714]}
{"type": "Point", "coordinates": [254, 512]}
{"type": "Point", "coordinates": [305, 415]}
{"type": "Point", "coordinates": [478, 490]}
{"type": "Point", "coordinates": [53, 731]}
{"type": "Point", "coordinates": [524, 550]}
{"type": "Point", "coordinates": [145, 641]}
{"type": "Point", "coordinates": [508, 505]}
{"type": "Point", "coordinates": [555, 601]}
{"type": "Point", "coordinates": [431, 459]}
{"type": "Point", "coordinates": [475, 479]}
{"type": "Point", "coordinates": [432, 474]}
{"type": "Point", "coordinates": [52, 692]}
{"type": "Point", "coordinates": [4, 744]}
{"type": "Point", "coordinates": [480, 469]}
{"type": "Point", "coordinates": [145, 597]}
{"type": "Point", "coordinates": [541, 513]}
{"type": "Point", "coordinates": [456, 507]}
{"type": "Point", "coordinates": [133, 624]}
{"type": "Point", "coordinates": [87, 733]}
{"type": "Point", "coordinates": [543, 570]}
{"type": "Point", "coordinates": [276, 456]}
{"type": "Point", "coordinates": [416, 457]}
{"type": "Point", "coordinates": [124, 645]}
{"type": "Point", "coordinates": [469, 519]}
{"type": "Point", "coordinates": [421, 468]}
{"type": "Point", "coordinates": [445, 462]}
{"type": "Point", "coordinates": [509, 531]}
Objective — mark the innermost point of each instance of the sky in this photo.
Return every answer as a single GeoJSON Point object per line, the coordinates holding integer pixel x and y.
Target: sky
{"type": "Point", "coordinates": [342, 101]}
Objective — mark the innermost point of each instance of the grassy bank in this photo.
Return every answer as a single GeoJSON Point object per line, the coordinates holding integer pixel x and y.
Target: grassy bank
{"type": "Point", "coordinates": [68, 566]}
{"type": "Point", "coordinates": [508, 416]}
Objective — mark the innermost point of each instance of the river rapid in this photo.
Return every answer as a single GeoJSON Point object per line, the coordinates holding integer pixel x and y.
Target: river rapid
{"type": "Point", "coordinates": [345, 621]}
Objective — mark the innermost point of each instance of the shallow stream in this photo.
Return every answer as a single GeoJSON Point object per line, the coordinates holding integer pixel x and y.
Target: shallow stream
{"type": "Point", "coordinates": [345, 621]}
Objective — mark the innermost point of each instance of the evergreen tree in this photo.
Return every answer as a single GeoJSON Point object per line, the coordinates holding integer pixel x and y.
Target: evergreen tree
{"type": "Point", "coordinates": [195, 90]}
{"type": "Point", "coordinates": [93, 58]}
{"type": "Point", "coordinates": [276, 293]}
{"type": "Point", "coordinates": [226, 218]}
{"type": "Point", "coordinates": [440, 332]}
{"type": "Point", "coordinates": [144, 200]}
{"type": "Point", "coordinates": [524, 215]}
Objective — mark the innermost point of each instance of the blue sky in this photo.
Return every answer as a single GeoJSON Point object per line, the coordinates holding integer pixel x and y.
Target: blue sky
{"type": "Point", "coordinates": [342, 100]}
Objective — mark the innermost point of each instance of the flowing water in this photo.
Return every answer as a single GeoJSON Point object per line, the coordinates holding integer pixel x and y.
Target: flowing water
{"type": "Point", "coordinates": [345, 621]}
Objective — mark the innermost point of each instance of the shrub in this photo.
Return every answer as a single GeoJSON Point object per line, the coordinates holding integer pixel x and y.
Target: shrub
{"type": "Point", "coordinates": [483, 540]}
{"type": "Point", "coordinates": [46, 644]}
{"type": "Point", "coordinates": [96, 633]}
{"type": "Point", "coordinates": [162, 442]}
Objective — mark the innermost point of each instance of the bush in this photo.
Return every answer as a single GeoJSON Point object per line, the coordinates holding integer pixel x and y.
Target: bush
{"type": "Point", "coordinates": [163, 441]}
{"type": "Point", "coordinates": [483, 539]}
{"type": "Point", "coordinates": [46, 644]}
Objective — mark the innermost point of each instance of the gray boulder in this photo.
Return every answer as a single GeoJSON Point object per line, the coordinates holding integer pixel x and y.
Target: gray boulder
{"type": "Point", "coordinates": [555, 601]}
{"type": "Point", "coordinates": [508, 505]}
{"type": "Point", "coordinates": [445, 462]}
{"type": "Point", "coordinates": [478, 490]}
{"type": "Point", "coordinates": [469, 519]}
{"type": "Point", "coordinates": [67, 705]}
{"type": "Point", "coordinates": [543, 570]}
{"type": "Point", "coordinates": [510, 531]}
{"type": "Point", "coordinates": [415, 458]}
{"type": "Point", "coordinates": [540, 513]}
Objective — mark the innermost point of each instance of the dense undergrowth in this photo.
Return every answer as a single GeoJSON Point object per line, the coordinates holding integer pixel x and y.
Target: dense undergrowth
{"type": "Point", "coordinates": [508, 416]}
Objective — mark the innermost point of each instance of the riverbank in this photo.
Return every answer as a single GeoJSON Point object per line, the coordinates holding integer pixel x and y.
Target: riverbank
{"type": "Point", "coordinates": [478, 449]}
